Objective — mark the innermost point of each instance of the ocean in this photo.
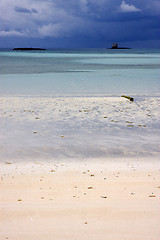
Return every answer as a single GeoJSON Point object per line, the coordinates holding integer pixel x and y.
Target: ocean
{"type": "Point", "coordinates": [82, 72]}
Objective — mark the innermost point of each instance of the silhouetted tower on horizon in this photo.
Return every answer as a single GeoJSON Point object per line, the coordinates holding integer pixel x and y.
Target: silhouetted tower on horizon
{"type": "Point", "coordinates": [115, 45]}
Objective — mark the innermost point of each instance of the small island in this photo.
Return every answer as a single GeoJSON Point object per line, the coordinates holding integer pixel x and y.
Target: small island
{"type": "Point", "coordinates": [115, 46]}
{"type": "Point", "coordinates": [28, 49]}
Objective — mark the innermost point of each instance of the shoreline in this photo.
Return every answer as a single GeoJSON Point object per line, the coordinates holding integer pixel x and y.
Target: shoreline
{"type": "Point", "coordinates": [138, 96]}
{"type": "Point", "coordinates": [78, 95]}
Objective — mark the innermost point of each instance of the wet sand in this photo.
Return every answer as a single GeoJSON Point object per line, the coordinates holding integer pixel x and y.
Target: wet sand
{"type": "Point", "coordinates": [78, 127]}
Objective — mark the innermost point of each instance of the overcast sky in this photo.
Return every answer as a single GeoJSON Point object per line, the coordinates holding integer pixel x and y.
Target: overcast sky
{"type": "Point", "coordinates": [79, 23]}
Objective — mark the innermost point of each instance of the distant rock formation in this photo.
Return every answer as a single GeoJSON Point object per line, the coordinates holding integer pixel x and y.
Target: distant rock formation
{"type": "Point", "coordinates": [28, 49]}
{"type": "Point", "coordinates": [115, 46]}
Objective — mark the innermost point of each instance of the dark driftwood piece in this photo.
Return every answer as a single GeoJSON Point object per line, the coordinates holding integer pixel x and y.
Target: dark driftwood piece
{"type": "Point", "coordinates": [130, 98]}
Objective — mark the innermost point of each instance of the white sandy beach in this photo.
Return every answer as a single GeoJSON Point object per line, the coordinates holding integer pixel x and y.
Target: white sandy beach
{"type": "Point", "coordinates": [67, 201]}
{"type": "Point", "coordinates": [79, 168]}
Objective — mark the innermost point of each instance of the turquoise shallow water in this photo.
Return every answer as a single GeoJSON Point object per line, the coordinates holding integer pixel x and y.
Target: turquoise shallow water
{"type": "Point", "coordinates": [80, 72]}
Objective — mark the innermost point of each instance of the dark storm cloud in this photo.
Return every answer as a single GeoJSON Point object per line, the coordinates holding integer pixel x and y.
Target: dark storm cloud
{"type": "Point", "coordinates": [86, 20]}
{"type": "Point", "coordinates": [24, 10]}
